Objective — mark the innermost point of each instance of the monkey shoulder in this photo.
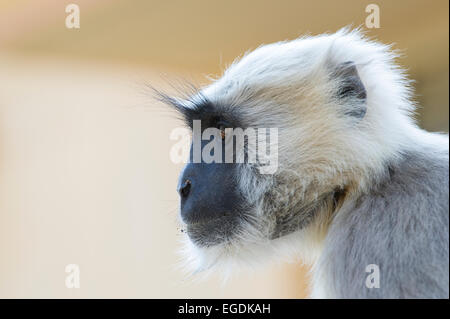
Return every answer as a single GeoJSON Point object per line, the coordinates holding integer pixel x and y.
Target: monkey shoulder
{"type": "Point", "coordinates": [401, 227]}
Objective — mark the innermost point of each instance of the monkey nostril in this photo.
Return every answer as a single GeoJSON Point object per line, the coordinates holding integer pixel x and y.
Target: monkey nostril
{"type": "Point", "coordinates": [185, 189]}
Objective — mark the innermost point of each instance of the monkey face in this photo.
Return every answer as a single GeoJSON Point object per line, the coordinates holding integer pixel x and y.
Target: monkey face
{"type": "Point", "coordinates": [212, 204]}
{"type": "Point", "coordinates": [232, 192]}
{"type": "Point", "coordinates": [234, 204]}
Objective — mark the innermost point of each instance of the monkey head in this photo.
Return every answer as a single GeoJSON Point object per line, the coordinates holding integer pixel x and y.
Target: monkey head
{"type": "Point", "coordinates": [320, 106]}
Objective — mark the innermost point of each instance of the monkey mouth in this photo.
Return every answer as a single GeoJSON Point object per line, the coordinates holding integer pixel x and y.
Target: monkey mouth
{"type": "Point", "coordinates": [212, 232]}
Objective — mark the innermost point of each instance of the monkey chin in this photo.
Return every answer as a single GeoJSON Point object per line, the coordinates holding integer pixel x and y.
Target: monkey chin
{"type": "Point", "coordinates": [213, 232]}
{"type": "Point", "coordinates": [238, 246]}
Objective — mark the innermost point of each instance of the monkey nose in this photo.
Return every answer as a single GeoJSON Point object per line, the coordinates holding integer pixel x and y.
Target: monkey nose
{"type": "Point", "coordinates": [185, 188]}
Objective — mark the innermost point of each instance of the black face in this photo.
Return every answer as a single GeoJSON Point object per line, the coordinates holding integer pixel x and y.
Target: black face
{"type": "Point", "coordinates": [211, 203]}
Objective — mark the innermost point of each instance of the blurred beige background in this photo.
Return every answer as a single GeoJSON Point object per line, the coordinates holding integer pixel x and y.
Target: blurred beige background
{"type": "Point", "coordinates": [85, 175]}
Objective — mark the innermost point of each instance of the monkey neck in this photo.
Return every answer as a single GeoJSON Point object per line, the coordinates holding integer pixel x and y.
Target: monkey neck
{"type": "Point", "coordinates": [317, 212]}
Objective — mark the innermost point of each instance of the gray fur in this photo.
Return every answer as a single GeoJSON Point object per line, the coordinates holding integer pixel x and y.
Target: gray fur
{"type": "Point", "coordinates": [402, 226]}
{"type": "Point", "coordinates": [351, 89]}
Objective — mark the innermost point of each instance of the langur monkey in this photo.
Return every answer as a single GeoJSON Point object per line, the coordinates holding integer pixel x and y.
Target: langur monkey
{"type": "Point", "coordinates": [358, 184]}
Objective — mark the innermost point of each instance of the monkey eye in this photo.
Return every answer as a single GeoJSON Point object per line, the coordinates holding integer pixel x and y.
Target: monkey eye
{"type": "Point", "coordinates": [222, 126]}
{"type": "Point", "coordinates": [222, 131]}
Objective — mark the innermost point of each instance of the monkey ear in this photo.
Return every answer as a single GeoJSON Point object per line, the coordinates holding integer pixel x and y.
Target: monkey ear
{"type": "Point", "coordinates": [350, 89]}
